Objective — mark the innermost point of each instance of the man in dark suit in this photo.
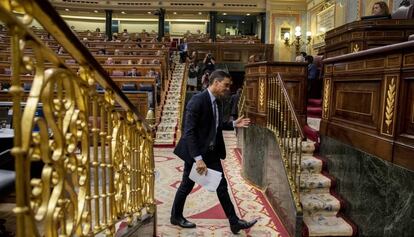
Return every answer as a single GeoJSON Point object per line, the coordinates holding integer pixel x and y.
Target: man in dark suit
{"type": "Point", "coordinates": [202, 144]}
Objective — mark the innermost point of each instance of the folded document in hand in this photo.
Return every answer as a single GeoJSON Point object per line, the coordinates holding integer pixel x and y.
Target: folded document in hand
{"type": "Point", "coordinates": [210, 181]}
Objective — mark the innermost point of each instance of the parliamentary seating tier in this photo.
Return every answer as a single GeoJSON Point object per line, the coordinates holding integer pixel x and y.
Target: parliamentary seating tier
{"type": "Point", "coordinates": [232, 54]}
{"type": "Point", "coordinates": [135, 88]}
{"type": "Point", "coordinates": [366, 34]}
{"type": "Point", "coordinates": [368, 101]}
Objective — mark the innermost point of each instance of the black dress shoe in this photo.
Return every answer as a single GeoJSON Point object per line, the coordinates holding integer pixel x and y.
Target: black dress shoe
{"type": "Point", "coordinates": [241, 225]}
{"type": "Point", "coordinates": [182, 222]}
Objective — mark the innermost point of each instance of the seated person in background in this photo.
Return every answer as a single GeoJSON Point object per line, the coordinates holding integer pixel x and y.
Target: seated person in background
{"type": "Point", "coordinates": [101, 52]}
{"type": "Point", "coordinates": [380, 9]}
{"type": "Point", "coordinates": [110, 61]}
{"type": "Point", "coordinates": [134, 72]}
{"type": "Point", "coordinates": [60, 50]}
{"type": "Point", "coordinates": [301, 57]}
{"type": "Point", "coordinates": [151, 73]}
{"type": "Point", "coordinates": [138, 43]}
{"type": "Point", "coordinates": [125, 33]}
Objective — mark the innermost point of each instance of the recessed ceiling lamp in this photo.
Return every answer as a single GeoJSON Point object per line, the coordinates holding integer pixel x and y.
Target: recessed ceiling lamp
{"type": "Point", "coordinates": [221, 21]}
{"type": "Point", "coordinates": [67, 9]}
{"type": "Point", "coordinates": [96, 11]}
{"type": "Point", "coordinates": [149, 12]}
{"type": "Point", "coordinates": [248, 14]}
{"type": "Point", "coordinates": [242, 22]}
{"type": "Point", "coordinates": [123, 12]}
{"type": "Point", "coordinates": [224, 13]}
{"type": "Point", "coordinates": [175, 13]}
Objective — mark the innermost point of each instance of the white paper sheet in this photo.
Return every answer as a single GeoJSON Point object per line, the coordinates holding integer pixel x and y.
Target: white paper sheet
{"type": "Point", "coordinates": [210, 181]}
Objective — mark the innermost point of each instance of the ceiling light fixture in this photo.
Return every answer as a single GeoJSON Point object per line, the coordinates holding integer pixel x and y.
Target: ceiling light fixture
{"type": "Point", "coordinates": [248, 14]}
{"type": "Point", "coordinates": [96, 11]}
{"type": "Point", "coordinates": [67, 9]}
{"type": "Point", "coordinates": [175, 13]}
{"type": "Point", "coordinates": [123, 12]}
{"type": "Point", "coordinates": [224, 14]}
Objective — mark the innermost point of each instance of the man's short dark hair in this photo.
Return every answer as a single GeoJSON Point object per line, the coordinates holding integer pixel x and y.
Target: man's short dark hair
{"type": "Point", "coordinates": [218, 75]}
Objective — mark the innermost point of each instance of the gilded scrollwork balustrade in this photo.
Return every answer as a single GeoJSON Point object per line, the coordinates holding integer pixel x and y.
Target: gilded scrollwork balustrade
{"type": "Point", "coordinates": [95, 151]}
{"type": "Point", "coordinates": [282, 121]}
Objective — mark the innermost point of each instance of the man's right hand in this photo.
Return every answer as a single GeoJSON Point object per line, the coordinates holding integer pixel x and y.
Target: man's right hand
{"type": "Point", "coordinates": [201, 167]}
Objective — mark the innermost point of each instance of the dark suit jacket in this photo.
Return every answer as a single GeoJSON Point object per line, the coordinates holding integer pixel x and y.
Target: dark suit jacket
{"type": "Point", "coordinates": [199, 131]}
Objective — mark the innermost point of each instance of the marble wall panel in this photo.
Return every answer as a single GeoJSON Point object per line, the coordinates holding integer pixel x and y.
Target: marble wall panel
{"type": "Point", "coordinates": [379, 194]}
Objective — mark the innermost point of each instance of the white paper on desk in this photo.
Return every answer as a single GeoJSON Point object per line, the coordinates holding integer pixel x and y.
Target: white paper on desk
{"type": "Point", "coordinates": [210, 181]}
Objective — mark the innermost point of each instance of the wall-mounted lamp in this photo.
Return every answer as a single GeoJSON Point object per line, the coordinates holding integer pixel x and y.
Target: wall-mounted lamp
{"type": "Point", "coordinates": [297, 42]}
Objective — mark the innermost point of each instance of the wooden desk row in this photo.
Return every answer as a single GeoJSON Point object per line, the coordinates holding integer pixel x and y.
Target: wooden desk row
{"type": "Point", "coordinates": [115, 69]}
{"type": "Point", "coordinates": [369, 101]}
{"type": "Point", "coordinates": [138, 98]}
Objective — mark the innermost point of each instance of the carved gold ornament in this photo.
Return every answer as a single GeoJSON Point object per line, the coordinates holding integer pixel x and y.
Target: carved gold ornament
{"type": "Point", "coordinates": [356, 48]}
{"type": "Point", "coordinates": [326, 92]}
{"type": "Point", "coordinates": [389, 108]}
{"type": "Point", "coordinates": [261, 95]}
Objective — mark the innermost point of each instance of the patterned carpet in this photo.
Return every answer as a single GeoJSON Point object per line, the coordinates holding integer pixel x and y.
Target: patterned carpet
{"type": "Point", "coordinates": [203, 208]}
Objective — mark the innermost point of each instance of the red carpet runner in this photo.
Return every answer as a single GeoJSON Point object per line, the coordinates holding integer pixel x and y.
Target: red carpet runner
{"type": "Point", "coordinates": [203, 208]}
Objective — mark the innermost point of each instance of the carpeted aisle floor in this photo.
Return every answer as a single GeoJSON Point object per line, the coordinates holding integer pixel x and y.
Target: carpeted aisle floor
{"type": "Point", "coordinates": [203, 208]}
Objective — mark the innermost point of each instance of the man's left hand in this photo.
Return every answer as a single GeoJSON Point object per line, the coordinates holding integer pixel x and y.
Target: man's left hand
{"type": "Point", "coordinates": [242, 122]}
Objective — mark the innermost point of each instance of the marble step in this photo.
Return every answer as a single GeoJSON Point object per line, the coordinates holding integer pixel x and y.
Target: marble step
{"type": "Point", "coordinates": [310, 164]}
{"type": "Point", "coordinates": [322, 225]}
{"type": "Point", "coordinates": [314, 181]}
{"type": "Point", "coordinates": [320, 201]}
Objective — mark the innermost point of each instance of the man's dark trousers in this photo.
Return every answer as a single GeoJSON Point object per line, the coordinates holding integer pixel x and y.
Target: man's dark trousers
{"type": "Point", "coordinates": [187, 185]}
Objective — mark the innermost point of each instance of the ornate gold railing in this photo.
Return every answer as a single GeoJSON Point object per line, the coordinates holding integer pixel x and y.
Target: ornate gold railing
{"type": "Point", "coordinates": [95, 149]}
{"type": "Point", "coordinates": [282, 120]}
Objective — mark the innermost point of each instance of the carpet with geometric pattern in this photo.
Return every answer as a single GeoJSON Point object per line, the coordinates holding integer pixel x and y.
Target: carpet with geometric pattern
{"type": "Point", "coordinates": [203, 208]}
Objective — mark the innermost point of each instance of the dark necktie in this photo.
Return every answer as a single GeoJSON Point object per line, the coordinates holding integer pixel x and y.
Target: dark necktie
{"type": "Point", "coordinates": [215, 115]}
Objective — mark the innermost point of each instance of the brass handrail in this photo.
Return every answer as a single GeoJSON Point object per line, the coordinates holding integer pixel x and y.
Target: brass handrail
{"type": "Point", "coordinates": [283, 122]}
{"type": "Point", "coordinates": [98, 165]}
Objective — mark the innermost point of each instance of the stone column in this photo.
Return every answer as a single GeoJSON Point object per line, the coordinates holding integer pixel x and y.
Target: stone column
{"type": "Point", "coordinates": [161, 22]}
{"type": "Point", "coordinates": [108, 24]}
{"type": "Point", "coordinates": [263, 27]}
{"type": "Point", "coordinates": [213, 22]}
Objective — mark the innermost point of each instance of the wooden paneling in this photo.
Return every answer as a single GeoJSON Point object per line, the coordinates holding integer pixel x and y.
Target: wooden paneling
{"type": "Point", "coordinates": [366, 34]}
{"type": "Point", "coordinates": [369, 101]}
{"type": "Point", "coordinates": [357, 101]}
{"type": "Point", "coordinates": [294, 76]}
